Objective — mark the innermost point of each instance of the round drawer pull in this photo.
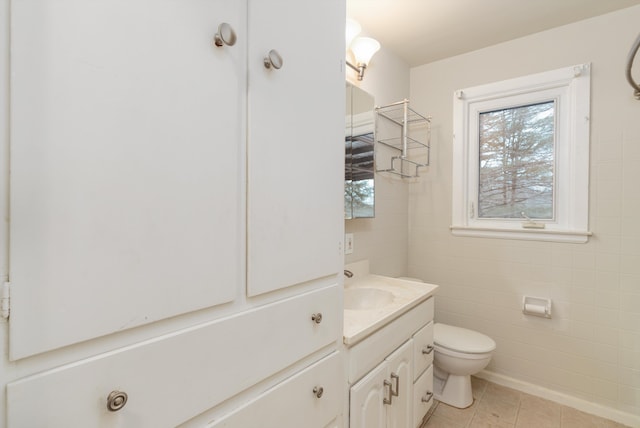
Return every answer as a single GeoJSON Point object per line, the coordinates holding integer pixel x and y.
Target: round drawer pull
{"type": "Point", "coordinates": [428, 350]}
{"type": "Point", "coordinates": [225, 35]}
{"type": "Point", "coordinates": [273, 60]}
{"type": "Point", "coordinates": [116, 400]}
{"type": "Point", "coordinates": [318, 391]}
{"type": "Point", "coordinates": [317, 318]}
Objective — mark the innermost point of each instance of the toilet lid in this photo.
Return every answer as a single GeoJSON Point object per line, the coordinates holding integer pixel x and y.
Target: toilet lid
{"type": "Point", "coordinates": [462, 339]}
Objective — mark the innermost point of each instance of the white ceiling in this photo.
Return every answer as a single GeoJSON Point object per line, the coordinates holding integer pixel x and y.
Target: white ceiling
{"type": "Point", "coordinates": [422, 31]}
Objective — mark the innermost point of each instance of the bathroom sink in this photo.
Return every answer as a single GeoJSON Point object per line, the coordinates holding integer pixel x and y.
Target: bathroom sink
{"type": "Point", "coordinates": [363, 298]}
{"type": "Point", "coordinates": [372, 301]}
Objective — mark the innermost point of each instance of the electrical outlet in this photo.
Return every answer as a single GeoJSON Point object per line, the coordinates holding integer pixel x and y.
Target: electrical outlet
{"type": "Point", "coordinates": [348, 243]}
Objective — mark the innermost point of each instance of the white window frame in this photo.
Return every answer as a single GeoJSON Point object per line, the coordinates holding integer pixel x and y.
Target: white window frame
{"type": "Point", "coordinates": [569, 87]}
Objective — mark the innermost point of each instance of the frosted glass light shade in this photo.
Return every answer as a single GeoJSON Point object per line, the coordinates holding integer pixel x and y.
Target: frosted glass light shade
{"type": "Point", "coordinates": [351, 31]}
{"type": "Point", "coordinates": [364, 48]}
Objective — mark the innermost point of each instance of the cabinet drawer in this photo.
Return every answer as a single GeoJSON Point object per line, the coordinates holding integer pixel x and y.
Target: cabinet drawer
{"type": "Point", "coordinates": [422, 349]}
{"type": "Point", "coordinates": [422, 396]}
{"type": "Point", "coordinates": [174, 377]}
{"type": "Point", "coordinates": [293, 403]}
{"type": "Point", "coordinates": [365, 355]}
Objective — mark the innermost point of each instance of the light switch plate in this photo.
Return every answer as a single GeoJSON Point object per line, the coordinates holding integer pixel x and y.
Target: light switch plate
{"type": "Point", "coordinates": [348, 243]}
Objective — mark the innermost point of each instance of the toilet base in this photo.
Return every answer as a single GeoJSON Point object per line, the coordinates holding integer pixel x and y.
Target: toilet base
{"type": "Point", "coordinates": [455, 390]}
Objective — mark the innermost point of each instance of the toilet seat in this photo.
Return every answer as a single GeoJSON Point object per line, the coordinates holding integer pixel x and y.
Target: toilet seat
{"type": "Point", "coordinates": [462, 355]}
{"type": "Point", "coordinates": [461, 340]}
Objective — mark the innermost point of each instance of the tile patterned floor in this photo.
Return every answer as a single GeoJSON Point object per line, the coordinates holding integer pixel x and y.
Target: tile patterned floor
{"type": "Point", "coordinates": [501, 407]}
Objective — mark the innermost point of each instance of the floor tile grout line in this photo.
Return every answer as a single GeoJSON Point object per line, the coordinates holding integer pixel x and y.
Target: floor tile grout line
{"type": "Point", "coordinates": [515, 422]}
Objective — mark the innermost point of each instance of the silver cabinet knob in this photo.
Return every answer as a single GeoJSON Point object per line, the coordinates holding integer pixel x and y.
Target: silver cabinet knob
{"type": "Point", "coordinates": [273, 59]}
{"type": "Point", "coordinates": [225, 35]}
{"type": "Point", "coordinates": [317, 318]}
{"type": "Point", "coordinates": [427, 397]}
{"type": "Point", "coordinates": [318, 391]}
{"type": "Point", "coordinates": [427, 350]}
{"type": "Point", "coordinates": [116, 400]}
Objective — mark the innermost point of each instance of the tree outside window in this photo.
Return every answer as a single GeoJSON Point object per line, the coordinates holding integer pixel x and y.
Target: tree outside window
{"type": "Point", "coordinates": [516, 155]}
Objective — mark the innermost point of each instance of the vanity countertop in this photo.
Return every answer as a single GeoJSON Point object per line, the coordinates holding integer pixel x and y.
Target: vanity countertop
{"type": "Point", "coordinates": [405, 294]}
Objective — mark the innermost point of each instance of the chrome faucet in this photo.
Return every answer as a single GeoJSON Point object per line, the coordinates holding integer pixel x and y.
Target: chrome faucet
{"type": "Point", "coordinates": [348, 273]}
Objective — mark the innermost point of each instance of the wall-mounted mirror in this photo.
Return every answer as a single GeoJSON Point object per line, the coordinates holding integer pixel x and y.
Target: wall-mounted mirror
{"type": "Point", "coordinates": [359, 194]}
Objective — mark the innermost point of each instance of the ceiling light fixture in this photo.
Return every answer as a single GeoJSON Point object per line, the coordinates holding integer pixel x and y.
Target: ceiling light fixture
{"type": "Point", "coordinates": [362, 48]}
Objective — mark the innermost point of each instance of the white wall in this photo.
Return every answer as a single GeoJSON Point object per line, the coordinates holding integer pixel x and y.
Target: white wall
{"type": "Point", "coordinates": [383, 239]}
{"type": "Point", "coordinates": [591, 347]}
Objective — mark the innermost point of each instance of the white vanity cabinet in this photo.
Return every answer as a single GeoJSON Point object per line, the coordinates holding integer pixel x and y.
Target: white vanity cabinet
{"type": "Point", "coordinates": [169, 197]}
{"type": "Point", "coordinates": [391, 374]}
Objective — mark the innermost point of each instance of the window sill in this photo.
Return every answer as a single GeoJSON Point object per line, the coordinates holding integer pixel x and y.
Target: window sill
{"type": "Point", "coordinates": [568, 236]}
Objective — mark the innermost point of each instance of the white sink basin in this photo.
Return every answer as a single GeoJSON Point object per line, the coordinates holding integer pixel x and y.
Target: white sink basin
{"type": "Point", "coordinates": [373, 301]}
{"type": "Point", "coordinates": [363, 298]}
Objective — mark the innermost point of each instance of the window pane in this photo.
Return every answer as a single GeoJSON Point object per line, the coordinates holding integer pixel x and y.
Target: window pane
{"type": "Point", "coordinates": [517, 162]}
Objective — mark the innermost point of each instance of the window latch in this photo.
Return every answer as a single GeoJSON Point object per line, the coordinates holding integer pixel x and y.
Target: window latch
{"type": "Point", "coordinates": [530, 224]}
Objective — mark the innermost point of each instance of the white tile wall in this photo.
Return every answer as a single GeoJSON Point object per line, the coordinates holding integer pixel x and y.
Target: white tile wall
{"type": "Point", "coordinates": [591, 347]}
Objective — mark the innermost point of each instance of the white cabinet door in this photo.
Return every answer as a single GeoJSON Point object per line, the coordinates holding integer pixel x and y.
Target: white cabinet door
{"type": "Point", "coordinates": [127, 165]}
{"type": "Point", "coordinates": [367, 408]}
{"type": "Point", "coordinates": [385, 397]}
{"type": "Point", "coordinates": [400, 412]}
{"type": "Point", "coordinates": [295, 146]}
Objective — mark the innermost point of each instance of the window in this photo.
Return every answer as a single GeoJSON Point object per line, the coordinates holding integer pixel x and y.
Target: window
{"type": "Point", "coordinates": [521, 157]}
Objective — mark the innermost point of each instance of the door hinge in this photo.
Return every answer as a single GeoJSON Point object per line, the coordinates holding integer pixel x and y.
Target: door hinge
{"type": "Point", "coordinates": [5, 298]}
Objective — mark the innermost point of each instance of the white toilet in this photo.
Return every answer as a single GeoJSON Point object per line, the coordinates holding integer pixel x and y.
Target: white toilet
{"type": "Point", "coordinates": [459, 353]}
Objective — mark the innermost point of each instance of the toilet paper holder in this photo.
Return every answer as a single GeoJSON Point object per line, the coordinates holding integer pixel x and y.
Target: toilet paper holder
{"type": "Point", "coordinates": [537, 306]}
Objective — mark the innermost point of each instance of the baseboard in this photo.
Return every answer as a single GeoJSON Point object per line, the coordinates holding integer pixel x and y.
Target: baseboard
{"type": "Point", "coordinates": [562, 398]}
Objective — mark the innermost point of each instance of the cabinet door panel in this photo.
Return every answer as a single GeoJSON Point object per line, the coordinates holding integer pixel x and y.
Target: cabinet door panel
{"type": "Point", "coordinates": [400, 412]}
{"type": "Point", "coordinates": [367, 408]}
{"type": "Point", "coordinates": [295, 152]}
{"type": "Point", "coordinates": [127, 173]}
